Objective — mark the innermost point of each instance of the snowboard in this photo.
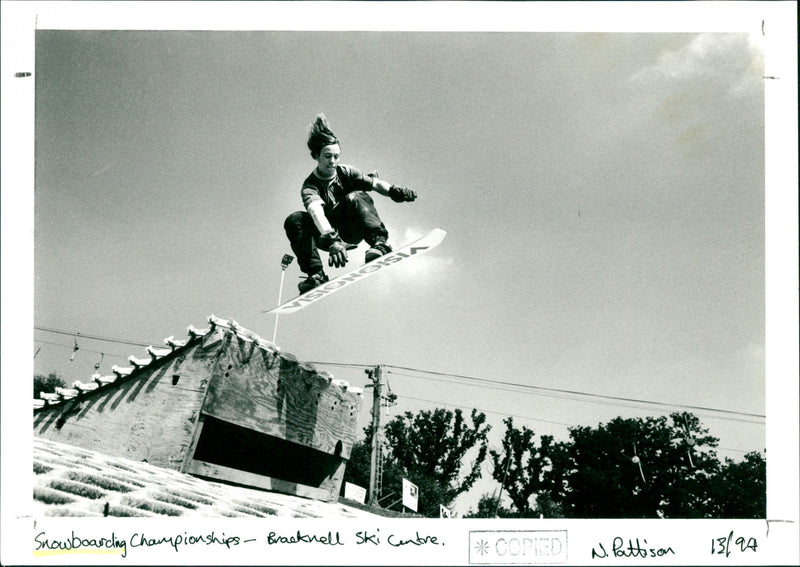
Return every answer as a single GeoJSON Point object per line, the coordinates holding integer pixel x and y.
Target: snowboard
{"type": "Point", "coordinates": [419, 246]}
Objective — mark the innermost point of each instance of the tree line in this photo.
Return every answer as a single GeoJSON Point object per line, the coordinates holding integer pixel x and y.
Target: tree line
{"type": "Point", "coordinates": [652, 467]}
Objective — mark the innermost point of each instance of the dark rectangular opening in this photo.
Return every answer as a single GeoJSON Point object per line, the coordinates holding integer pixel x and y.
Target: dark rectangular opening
{"type": "Point", "coordinates": [237, 447]}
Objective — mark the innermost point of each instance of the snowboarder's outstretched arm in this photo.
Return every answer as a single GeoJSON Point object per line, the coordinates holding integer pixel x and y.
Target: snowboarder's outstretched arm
{"type": "Point", "coordinates": [396, 193]}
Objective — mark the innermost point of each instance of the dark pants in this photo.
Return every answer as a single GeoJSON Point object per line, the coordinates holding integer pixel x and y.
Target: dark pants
{"type": "Point", "coordinates": [355, 219]}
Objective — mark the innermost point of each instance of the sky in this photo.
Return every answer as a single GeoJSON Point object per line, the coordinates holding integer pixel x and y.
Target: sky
{"type": "Point", "coordinates": [603, 195]}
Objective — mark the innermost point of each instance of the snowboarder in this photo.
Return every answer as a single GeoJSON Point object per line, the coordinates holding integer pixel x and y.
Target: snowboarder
{"type": "Point", "coordinates": [339, 213]}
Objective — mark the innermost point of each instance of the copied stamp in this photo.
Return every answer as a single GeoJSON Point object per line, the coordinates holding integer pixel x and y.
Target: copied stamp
{"type": "Point", "coordinates": [528, 547]}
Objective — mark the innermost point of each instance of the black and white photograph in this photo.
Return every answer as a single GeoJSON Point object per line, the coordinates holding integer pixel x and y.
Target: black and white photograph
{"type": "Point", "coordinates": [440, 283]}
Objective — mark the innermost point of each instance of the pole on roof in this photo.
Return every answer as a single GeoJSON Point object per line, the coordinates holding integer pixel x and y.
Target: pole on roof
{"type": "Point", "coordinates": [285, 261]}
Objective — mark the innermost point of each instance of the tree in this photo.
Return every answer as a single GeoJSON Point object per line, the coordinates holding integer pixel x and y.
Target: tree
{"type": "Point", "coordinates": [357, 469]}
{"type": "Point", "coordinates": [47, 384]}
{"type": "Point", "coordinates": [628, 468]}
{"type": "Point", "coordinates": [639, 468]}
{"type": "Point", "coordinates": [739, 490]}
{"type": "Point", "coordinates": [429, 448]}
{"type": "Point", "coordinates": [488, 507]}
{"type": "Point", "coordinates": [528, 473]}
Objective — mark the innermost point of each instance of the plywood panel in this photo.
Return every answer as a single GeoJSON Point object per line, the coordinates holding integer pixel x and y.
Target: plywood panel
{"type": "Point", "coordinates": [148, 415]}
{"type": "Point", "coordinates": [219, 472]}
{"type": "Point", "coordinates": [279, 396]}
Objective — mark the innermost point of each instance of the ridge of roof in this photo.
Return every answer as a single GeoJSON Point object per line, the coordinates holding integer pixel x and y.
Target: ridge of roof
{"type": "Point", "coordinates": [121, 374]}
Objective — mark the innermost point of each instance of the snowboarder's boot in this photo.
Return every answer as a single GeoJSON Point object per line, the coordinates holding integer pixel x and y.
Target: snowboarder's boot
{"type": "Point", "coordinates": [312, 281]}
{"type": "Point", "coordinates": [377, 250]}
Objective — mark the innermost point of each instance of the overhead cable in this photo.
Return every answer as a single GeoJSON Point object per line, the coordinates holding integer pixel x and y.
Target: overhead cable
{"type": "Point", "coordinates": [591, 396]}
{"type": "Point", "coordinates": [93, 337]}
{"type": "Point", "coordinates": [82, 349]}
{"type": "Point", "coordinates": [524, 417]}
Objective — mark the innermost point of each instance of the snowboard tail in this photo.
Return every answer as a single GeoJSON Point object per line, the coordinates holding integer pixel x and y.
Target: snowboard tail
{"type": "Point", "coordinates": [420, 246]}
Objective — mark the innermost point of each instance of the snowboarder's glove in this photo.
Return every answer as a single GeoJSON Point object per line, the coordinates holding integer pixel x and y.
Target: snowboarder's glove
{"type": "Point", "coordinates": [401, 194]}
{"type": "Point", "coordinates": [336, 248]}
{"type": "Point", "coordinates": [337, 254]}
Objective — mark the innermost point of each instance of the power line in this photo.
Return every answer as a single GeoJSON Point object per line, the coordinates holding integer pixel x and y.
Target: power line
{"type": "Point", "coordinates": [93, 337]}
{"type": "Point", "coordinates": [342, 364]}
{"type": "Point", "coordinates": [713, 413]}
{"type": "Point", "coordinates": [525, 417]}
{"type": "Point", "coordinates": [570, 393]}
{"type": "Point", "coordinates": [532, 418]}
{"type": "Point", "coordinates": [70, 347]}
{"type": "Point", "coordinates": [643, 405]}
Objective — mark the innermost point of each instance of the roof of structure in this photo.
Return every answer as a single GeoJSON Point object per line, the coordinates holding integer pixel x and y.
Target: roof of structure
{"type": "Point", "coordinates": [120, 374]}
{"type": "Point", "coordinates": [72, 481]}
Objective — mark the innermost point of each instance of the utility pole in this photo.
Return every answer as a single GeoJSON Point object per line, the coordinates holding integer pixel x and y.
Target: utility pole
{"type": "Point", "coordinates": [505, 473]}
{"type": "Point", "coordinates": [375, 376]}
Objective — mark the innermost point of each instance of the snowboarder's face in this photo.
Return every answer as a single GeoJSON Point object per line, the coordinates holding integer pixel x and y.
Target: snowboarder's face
{"type": "Point", "coordinates": [328, 159]}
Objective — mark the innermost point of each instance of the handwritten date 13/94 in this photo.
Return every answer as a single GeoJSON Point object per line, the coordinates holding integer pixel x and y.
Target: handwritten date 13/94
{"type": "Point", "coordinates": [726, 545]}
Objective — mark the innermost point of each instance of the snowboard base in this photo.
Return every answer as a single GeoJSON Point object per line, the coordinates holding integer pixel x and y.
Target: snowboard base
{"type": "Point", "coordinates": [419, 246]}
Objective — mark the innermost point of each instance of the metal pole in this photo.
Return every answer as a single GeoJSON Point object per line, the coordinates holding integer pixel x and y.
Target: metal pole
{"type": "Point", "coordinates": [376, 433]}
{"type": "Point", "coordinates": [499, 496]}
{"type": "Point", "coordinates": [285, 261]}
{"type": "Point", "coordinates": [392, 493]}
{"type": "Point", "coordinates": [395, 503]}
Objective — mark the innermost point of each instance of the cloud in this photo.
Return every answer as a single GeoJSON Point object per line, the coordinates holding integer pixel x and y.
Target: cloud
{"type": "Point", "coordinates": [429, 265]}
{"type": "Point", "coordinates": [733, 59]}
{"type": "Point", "coordinates": [424, 270]}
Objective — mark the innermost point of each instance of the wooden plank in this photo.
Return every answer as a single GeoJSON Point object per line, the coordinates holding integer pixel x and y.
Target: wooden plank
{"type": "Point", "coordinates": [336, 481]}
{"type": "Point", "coordinates": [192, 445]}
{"type": "Point", "coordinates": [280, 397]}
{"type": "Point", "coordinates": [219, 472]}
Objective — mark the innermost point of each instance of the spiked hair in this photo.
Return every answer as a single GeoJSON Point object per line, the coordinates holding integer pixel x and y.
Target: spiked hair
{"type": "Point", "coordinates": [320, 135]}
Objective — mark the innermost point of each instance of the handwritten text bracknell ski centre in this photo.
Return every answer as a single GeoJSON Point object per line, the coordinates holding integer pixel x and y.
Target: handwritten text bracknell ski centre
{"type": "Point", "coordinates": [362, 537]}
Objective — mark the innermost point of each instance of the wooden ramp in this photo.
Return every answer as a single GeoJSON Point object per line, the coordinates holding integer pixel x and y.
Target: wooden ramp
{"type": "Point", "coordinates": [222, 404]}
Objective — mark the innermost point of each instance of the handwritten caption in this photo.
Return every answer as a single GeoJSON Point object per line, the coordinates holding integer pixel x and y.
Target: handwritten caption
{"type": "Point", "coordinates": [730, 544]}
{"type": "Point", "coordinates": [115, 543]}
{"type": "Point", "coordinates": [636, 548]}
